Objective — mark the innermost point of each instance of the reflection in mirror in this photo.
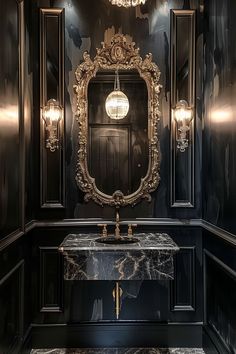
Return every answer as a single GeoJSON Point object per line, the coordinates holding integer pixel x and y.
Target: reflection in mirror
{"type": "Point", "coordinates": [118, 149]}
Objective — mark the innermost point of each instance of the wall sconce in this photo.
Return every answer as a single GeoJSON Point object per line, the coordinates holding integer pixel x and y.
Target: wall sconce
{"type": "Point", "coordinates": [52, 114]}
{"type": "Point", "coordinates": [183, 115]}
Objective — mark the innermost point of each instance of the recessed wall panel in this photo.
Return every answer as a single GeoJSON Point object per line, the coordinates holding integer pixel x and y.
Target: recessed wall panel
{"type": "Point", "coordinates": [182, 88]}
{"type": "Point", "coordinates": [11, 309]}
{"type": "Point", "coordinates": [52, 186]}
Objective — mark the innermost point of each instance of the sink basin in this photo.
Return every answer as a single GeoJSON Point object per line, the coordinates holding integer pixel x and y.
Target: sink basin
{"type": "Point", "coordinates": [147, 256]}
{"type": "Point", "coordinates": [111, 240]}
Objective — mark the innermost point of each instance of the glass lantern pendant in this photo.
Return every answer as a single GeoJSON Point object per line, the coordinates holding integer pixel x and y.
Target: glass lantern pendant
{"type": "Point", "coordinates": [117, 103]}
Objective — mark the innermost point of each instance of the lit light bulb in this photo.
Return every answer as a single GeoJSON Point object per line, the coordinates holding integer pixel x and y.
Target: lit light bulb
{"type": "Point", "coordinates": [183, 115]}
{"type": "Point", "coordinates": [52, 114]}
{"type": "Point", "coordinates": [117, 103]}
{"type": "Point", "coordinates": [52, 111]}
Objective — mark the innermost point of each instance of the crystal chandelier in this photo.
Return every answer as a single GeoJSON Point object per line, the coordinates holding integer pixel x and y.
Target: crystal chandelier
{"type": "Point", "coordinates": [127, 3]}
{"type": "Point", "coordinates": [117, 103]}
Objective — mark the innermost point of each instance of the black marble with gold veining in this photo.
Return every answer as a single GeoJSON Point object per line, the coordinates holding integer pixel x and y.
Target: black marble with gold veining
{"type": "Point", "coordinates": [149, 259]}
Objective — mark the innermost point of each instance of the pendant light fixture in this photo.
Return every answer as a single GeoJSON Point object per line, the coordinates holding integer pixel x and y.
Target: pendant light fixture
{"type": "Point", "coordinates": [127, 3]}
{"type": "Point", "coordinates": [117, 103]}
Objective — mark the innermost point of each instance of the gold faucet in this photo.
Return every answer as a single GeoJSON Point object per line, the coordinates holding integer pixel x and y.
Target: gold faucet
{"type": "Point", "coordinates": [117, 229]}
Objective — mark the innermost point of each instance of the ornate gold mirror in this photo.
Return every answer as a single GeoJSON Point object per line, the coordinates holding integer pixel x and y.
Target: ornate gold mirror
{"type": "Point", "coordinates": [118, 159]}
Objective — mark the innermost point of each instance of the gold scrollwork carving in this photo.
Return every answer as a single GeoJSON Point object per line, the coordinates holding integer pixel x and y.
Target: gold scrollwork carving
{"type": "Point", "coordinates": [122, 55]}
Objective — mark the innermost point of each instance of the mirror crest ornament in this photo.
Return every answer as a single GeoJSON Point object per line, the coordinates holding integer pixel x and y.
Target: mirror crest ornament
{"type": "Point", "coordinates": [119, 54]}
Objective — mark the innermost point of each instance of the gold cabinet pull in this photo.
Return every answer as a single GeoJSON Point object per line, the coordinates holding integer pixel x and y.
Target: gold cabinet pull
{"type": "Point", "coordinates": [117, 294]}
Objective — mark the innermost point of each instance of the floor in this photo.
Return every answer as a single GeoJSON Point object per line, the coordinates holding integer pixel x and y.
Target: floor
{"type": "Point", "coordinates": [119, 351]}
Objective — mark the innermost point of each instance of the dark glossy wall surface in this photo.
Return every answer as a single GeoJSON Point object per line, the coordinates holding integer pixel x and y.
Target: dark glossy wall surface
{"type": "Point", "coordinates": [149, 27]}
{"type": "Point", "coordinates": [15, 173]}
{"type": "Point", "coordinates": [9, 120]}
{"type": "Point", "coordinates": [31, 286]}
{"type": "Point", "coordinates": [15, 118]}
{"type": "Point", "coordinates": [78, 304]}
{"type": "Point", "coordinates": [219, 144]}
{"type": "Point", "coordinates": [220, 291]}
{"type": "Point", "coordinates": [219, 170]}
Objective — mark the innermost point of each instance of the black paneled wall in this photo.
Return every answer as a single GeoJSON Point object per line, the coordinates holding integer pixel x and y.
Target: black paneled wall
{"type": "Point", "coordinates": [219, 188]}
{"type": "Point", "coordinates": [32, 289]}
{"type": "Point", "coordinates": [15, 173]}
{"type": "Point", "coordinates": [149, 27]}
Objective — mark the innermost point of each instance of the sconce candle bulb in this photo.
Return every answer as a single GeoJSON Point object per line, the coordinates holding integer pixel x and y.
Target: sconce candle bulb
{"type": "Point", "coordinates": [183, 115]}
{"type": "Point", "coordinates": [52, 114]}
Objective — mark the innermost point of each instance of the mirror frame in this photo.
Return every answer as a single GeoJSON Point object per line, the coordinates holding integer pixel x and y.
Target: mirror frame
{"type": "Point", "coordinates": [119, 54]}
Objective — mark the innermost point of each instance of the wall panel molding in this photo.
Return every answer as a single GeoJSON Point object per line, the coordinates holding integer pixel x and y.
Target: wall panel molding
{"type": "Point", "coordinates": [8, 240]}
{"type": "Point", "coordinates": [218, 231]}
{"type": "Point", "coordinates": [51, 280]}
{"type": "Point", "coordinates": [21, 36]}
{"type": "Point", "coordinates": [224, 345]}
{"type": "Point", "coordinates": [18, 299]}
{"type": "Point", "coordinates": [189, 281]}
{"type": "Point", "coordinates": [52, 164]}
{"type": "Point", "coordinates": [182, 163]}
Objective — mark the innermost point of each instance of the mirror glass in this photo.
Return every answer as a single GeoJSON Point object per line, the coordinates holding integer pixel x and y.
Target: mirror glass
{"type": "Point", "coordinates": [118, 149]}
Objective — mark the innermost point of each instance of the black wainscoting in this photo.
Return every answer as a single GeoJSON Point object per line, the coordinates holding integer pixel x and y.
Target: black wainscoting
{"type": "Point", "coordinates": [15, 299]}
{"type": "Point", "coordinates": [167, 314]}
{"type": "Point", "coordinates": [51, 280]}
{"type": "Point", "coordinates": [220, 292]}
{"type": "Point", "coordinates": [219, 143]}
{"type": "Point", "coordinates": [87, 307]}
{"type": "Point", "coordinates": [12, 309]}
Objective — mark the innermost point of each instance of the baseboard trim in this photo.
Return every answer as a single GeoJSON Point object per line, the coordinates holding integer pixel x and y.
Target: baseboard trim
{"type": "Point", "coordinates": [117, 335]}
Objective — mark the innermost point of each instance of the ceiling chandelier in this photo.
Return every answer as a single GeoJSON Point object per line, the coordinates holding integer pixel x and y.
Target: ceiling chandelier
{"type": "Point", "coordinates": [127, 3]}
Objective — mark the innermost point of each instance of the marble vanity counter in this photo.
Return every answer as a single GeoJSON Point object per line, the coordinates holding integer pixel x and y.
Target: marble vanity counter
{"type": "Point", "coordinates": [150, 258]}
